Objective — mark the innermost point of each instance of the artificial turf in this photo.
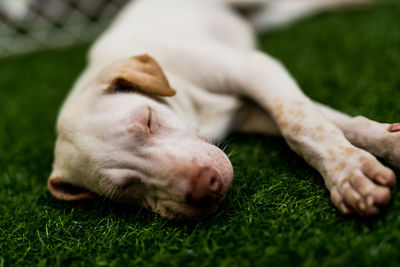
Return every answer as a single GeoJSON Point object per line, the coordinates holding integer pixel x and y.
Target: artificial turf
{"type": "Point", "coordinates": [277, 211]}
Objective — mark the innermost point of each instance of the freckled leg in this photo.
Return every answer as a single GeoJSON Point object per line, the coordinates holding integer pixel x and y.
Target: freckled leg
{"type": "Point", "coordinates": [364, 191]}
{"type": "Point", "coordinates": [356, 179]}
{"type": "Point", "coordinates": [351, 174]}
{"type": "Point", "coordinates": [380, 139]}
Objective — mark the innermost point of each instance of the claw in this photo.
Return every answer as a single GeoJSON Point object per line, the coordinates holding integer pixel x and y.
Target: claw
{"type": "Point", "coordinates": [362, 206]}
{"type": "Point", "coordinates": [344, 209]}
{"type": "Point", "coordinates": [370, 201]}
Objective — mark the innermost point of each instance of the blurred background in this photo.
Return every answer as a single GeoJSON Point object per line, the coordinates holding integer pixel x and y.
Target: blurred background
{"type": "Point", "coordinates": [277, 212]}
{"type": "Point", "coordinates": [30, 25]}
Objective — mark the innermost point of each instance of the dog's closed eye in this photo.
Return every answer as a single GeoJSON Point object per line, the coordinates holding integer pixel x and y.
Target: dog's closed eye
{"type": "Point", "coordinates": [122, 86]}
{"type": "Point", "coordinates": [115, 189]}
{"type": "Point", "coordinates": [149, 117]}
{"type": "Point", "coordinates": [129, 182]}
{"type": "Point", "coordinates": [121, 179]}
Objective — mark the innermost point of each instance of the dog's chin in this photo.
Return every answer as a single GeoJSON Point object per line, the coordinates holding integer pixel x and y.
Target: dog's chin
{"type": "Point", "coordinates": [181, 211]}
{"type": "Point", "coordinates": [221, 163]}
{"type": "Point", "coordinates": [227, 175]}
{"type": "Point", "coordinates": [171, 209]}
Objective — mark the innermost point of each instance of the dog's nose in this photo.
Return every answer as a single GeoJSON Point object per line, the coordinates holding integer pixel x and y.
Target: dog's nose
{"type": "Point", "coordinates": [206, 188]}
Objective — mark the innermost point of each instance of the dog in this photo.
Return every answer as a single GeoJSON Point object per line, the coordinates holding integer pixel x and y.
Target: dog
{"type": "Point", "coordinates": [169, 78]}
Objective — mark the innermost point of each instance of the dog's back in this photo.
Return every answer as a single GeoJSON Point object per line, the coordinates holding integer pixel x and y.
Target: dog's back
{"type": "Point", "coordinates": [144, 24]}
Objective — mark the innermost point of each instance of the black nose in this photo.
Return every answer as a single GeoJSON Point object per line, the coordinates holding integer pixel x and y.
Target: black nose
{"type": "Point", "coordinates": [206, 188]}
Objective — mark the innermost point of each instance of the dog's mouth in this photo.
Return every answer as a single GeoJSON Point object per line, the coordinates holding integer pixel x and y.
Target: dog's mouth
{"type": "Point", "coordinates": [180, 209]}
{"type": "Point", "coordinates": [195, 196]}
{"type": "Point", "coordinates": [210, 204]}
{"type": "Point", "coordinates": [184, 209]}
{"type": "Point", "coordinates": [225, 169]}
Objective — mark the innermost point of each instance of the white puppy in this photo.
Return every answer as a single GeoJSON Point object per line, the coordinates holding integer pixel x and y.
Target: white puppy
{"type": "Point", "coordinates": [170, 75]}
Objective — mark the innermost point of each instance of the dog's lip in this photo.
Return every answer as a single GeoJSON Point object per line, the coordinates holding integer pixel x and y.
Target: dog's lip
{"type": "Point", "coordinates": [227, 181]}
{"type": "Point", "coordinates": [194, 211]}
{"type": "Point", "coordinates": [218, 197]}
{"type": "Point", "coordinates": [226, 186]}
{"type": "Point", "coordinates": [199, 211]}
{"type": "Point", "coordinates": [226, 177]}
{"type": "Point", "coordinates": [181, 208]}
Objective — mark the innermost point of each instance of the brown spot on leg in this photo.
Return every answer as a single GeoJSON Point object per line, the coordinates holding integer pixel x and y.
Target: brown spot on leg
{"type": "Point", "coordinates": [298, 102]}
{"type": "Point", "coordinates": [320, 128]}
{"type": "Point", "coordinates": [283, 123]}
{"type": "Point", "coordinates": [279, 107]}
{"type": "Point", "coordinates": [320, 137]}
{"type": "Point", "coordinates": [296, 129]}
{"type": "Point", "coordinates": [347, 151]}
{"type": "Point", "coordinates": [300, 115]}
{"type": "Point", "coordinates": [332, 154]}
{"type": "Point", "coordinates": [340, 167]}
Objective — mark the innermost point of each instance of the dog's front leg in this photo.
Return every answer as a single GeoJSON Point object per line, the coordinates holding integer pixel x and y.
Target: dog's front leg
{"type": "Point", "coordinates": [355, 178]}
{"type": "Point", "coordinates": [380, 139]}
{"type": "Point", "coordinates": [358, 182]}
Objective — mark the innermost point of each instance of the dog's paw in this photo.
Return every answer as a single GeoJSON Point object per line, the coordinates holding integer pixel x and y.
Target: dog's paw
{"type": "Point", "coordinates": [380, 139]}
{"type": "Point", "coordinates": [363, 187]}
{"type": "Point", "coordinates": [389, 143]}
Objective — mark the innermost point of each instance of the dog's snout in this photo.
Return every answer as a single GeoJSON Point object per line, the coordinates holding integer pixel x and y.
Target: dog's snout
{"type": "Point", "coordinates": [206, 188]}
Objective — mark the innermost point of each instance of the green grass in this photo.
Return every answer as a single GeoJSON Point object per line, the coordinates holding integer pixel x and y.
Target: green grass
{"type": "Point", "coordinates": [277, 212]}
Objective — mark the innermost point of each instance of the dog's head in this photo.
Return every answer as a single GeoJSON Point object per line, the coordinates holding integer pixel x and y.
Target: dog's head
{"type": "Point", "coordinates": [118, 138]}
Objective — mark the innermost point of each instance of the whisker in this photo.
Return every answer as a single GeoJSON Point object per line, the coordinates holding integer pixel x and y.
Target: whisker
{"type": "Point", "coordinates": [231, 154]}
{"type": "Point", "coordinates": [225, 144]}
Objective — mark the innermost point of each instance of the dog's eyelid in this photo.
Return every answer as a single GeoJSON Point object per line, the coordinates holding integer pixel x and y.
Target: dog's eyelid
{"type": "Point", "coordinates": [129, 181]}
{"type": "Point", "coordinates": [150, 119]}
{"type": "Point", "coordinates": [121, 87]}
{"type": "Point", "coordinates": [122, 176]}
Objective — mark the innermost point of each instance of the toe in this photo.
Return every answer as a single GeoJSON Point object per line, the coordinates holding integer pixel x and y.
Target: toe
{"type": "Point", "coordinates": [379, 173]}
{"type": "Point", "coordinates": [372, 193]}
{"type": "Point", "coordinates": [338, 201]}
{"type": "Point", "coordinates": [356, 201]}
{"type": "Point", "coordinates": [352, 197]}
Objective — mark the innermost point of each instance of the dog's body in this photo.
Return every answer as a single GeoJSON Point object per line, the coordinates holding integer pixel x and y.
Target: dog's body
{"type": "Point", "coordinates": [122, 137]}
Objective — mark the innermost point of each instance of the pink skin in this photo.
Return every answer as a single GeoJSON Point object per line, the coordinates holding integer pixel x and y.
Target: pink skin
{"type": "Point", "coordinates": [395, 127]}
{"type": "Point", "coordinates": [151, 156]}
{"type": "Point", "coordinates": [369, 190]}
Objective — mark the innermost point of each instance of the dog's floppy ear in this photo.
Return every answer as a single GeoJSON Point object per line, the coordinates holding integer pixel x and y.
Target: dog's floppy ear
{"type": "Point", "coordinates": [67, 191]}
{"type": "Point", "coordinates": [141, 73]}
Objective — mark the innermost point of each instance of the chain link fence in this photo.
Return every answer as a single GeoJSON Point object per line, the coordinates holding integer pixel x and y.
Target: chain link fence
{"type": "Point", "coordinates": [29, 25]}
